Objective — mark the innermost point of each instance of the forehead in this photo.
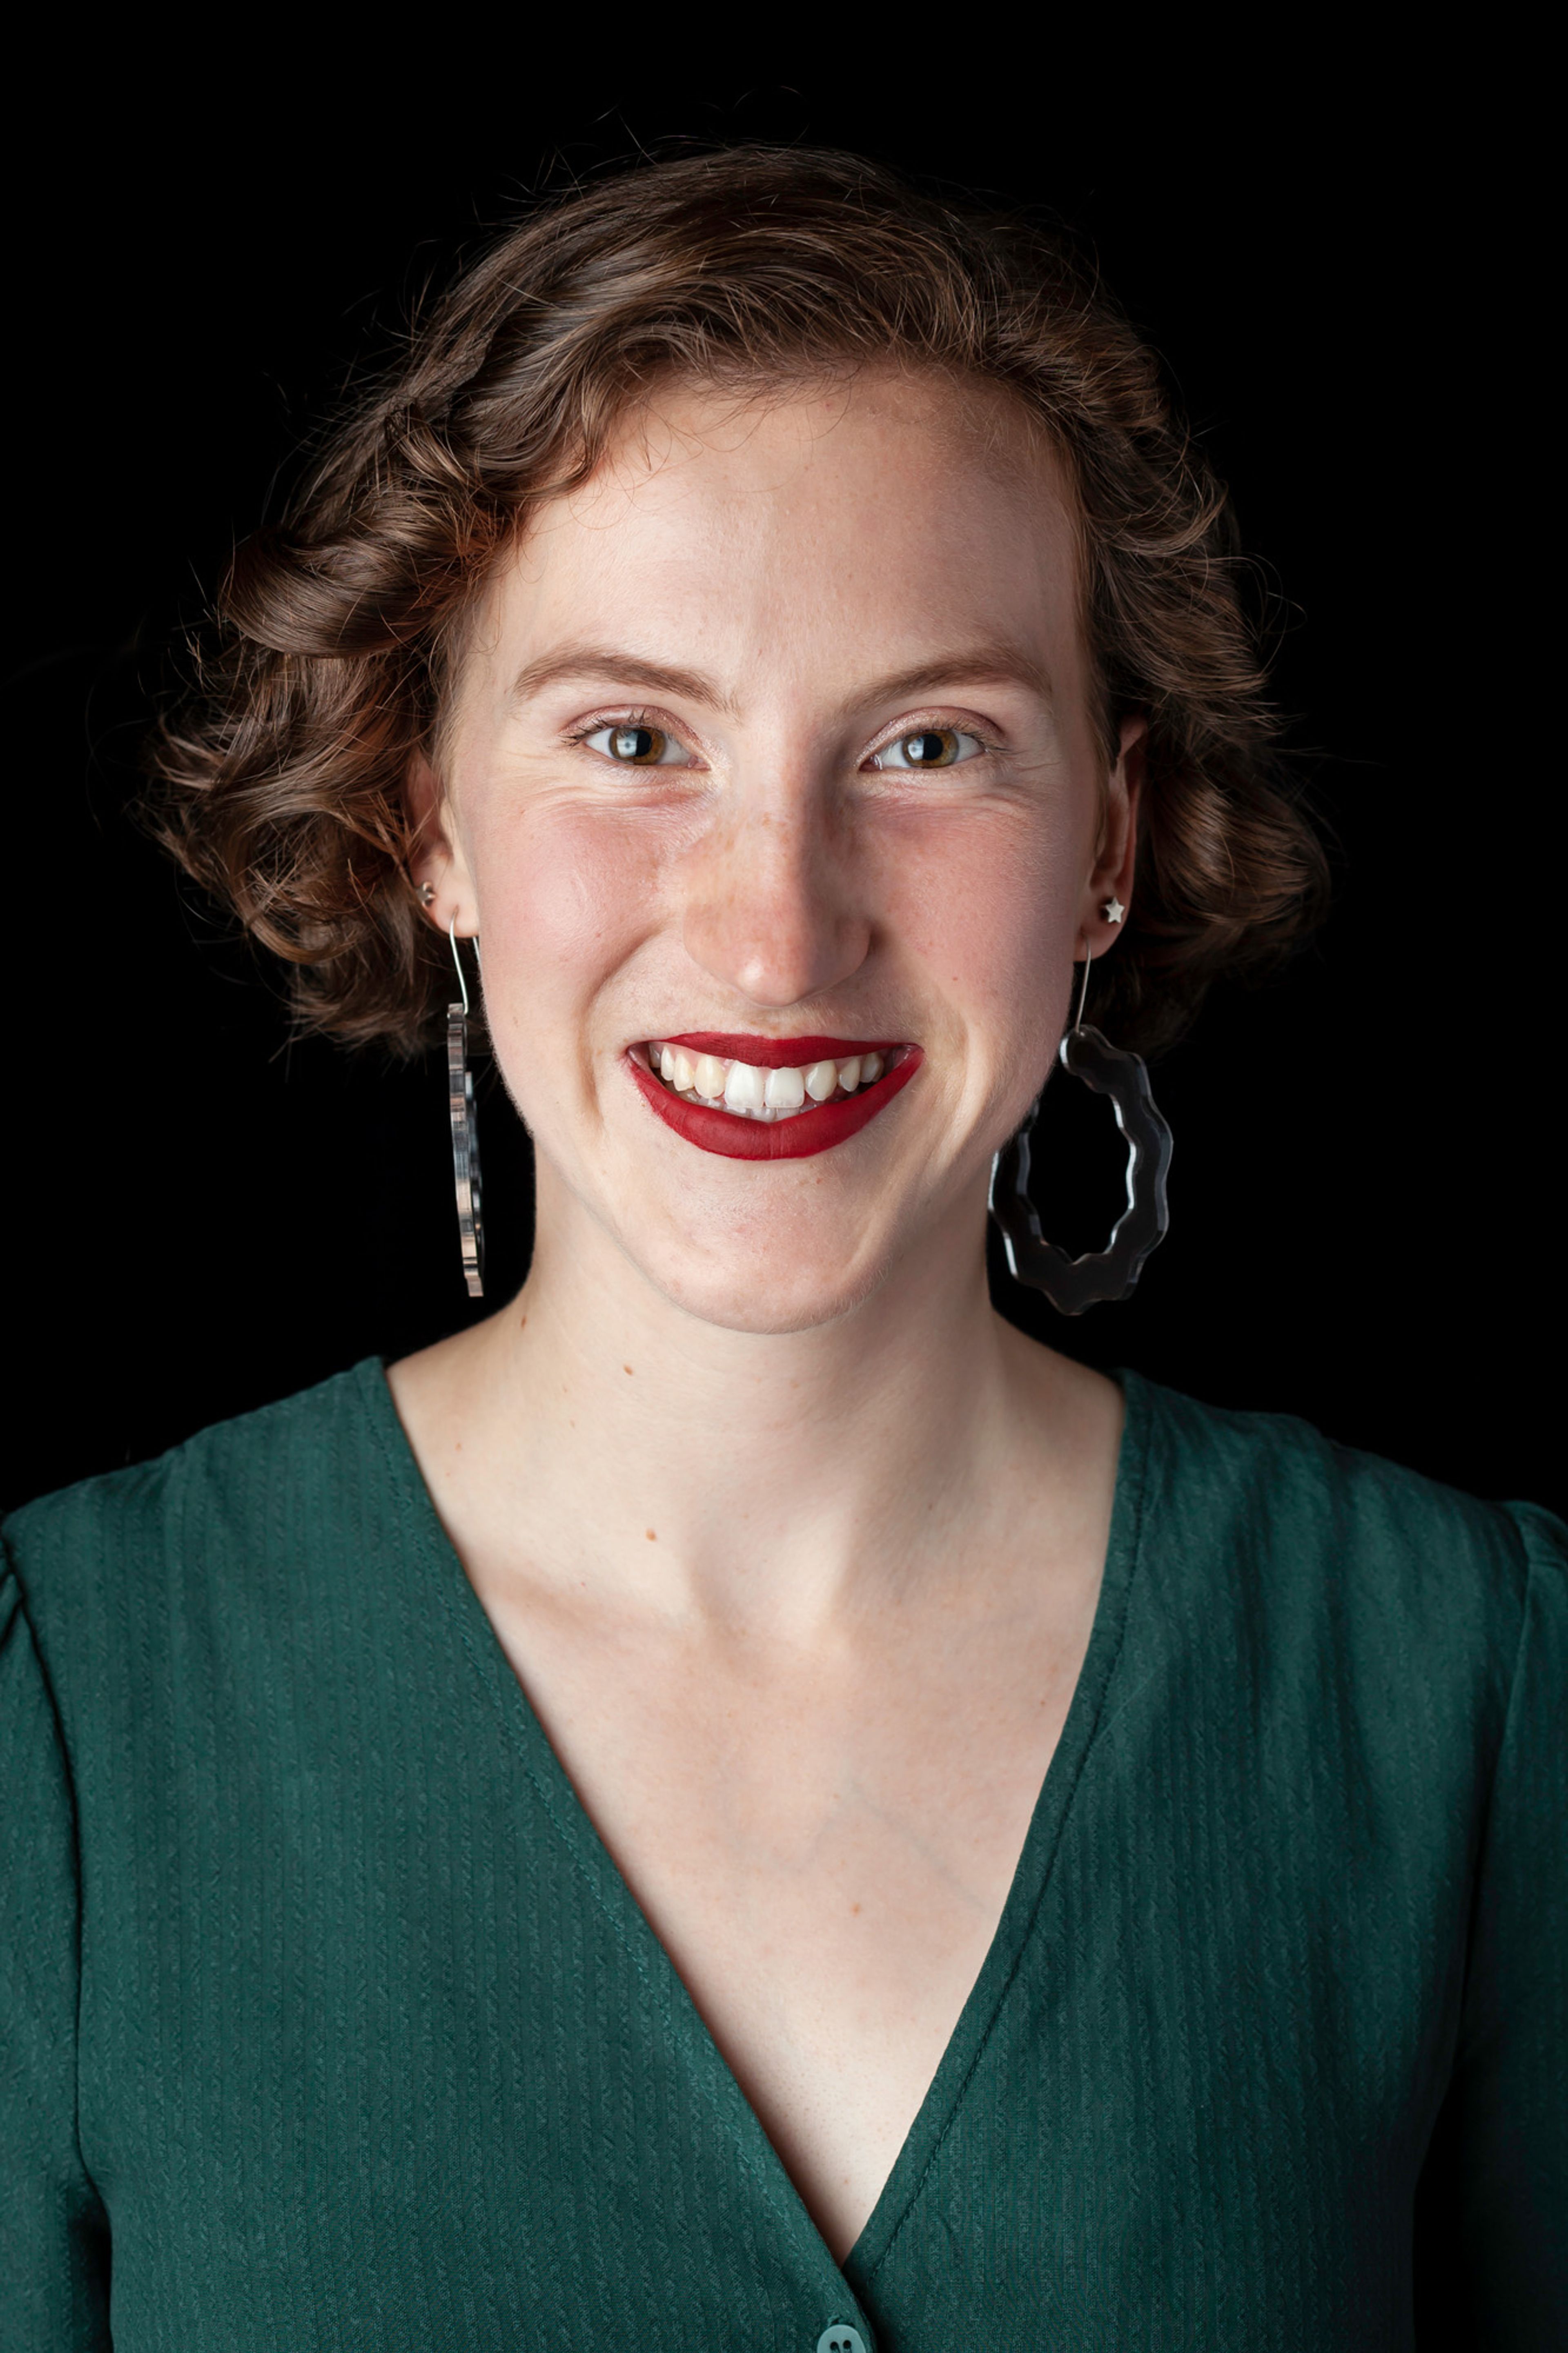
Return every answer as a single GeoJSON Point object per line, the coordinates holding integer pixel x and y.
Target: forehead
{"type": "Point", "coordinates": [891, 422]}
{"type": "Point", "coordinates": [889, 506]}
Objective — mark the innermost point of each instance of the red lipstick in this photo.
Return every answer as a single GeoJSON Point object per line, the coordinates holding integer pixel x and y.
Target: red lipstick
{"type": "Point", "coordinates": [804, 1133]}
{"type": "Point", "coordinates": [775, 1053]}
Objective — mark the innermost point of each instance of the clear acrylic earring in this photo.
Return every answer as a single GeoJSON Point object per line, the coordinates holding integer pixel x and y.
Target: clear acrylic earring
{"type": "Point", "coordinates": [1071, 1284]}
{"type": "Point", "coordinates": [465, 1130]}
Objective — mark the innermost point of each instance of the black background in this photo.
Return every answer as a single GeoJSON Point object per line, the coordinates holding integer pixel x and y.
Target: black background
{"type": "Point", "coordinates": [1331, 254]}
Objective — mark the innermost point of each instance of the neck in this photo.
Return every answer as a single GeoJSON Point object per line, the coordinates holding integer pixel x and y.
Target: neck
{"type": "Point", "coordinates": [767, 1482]}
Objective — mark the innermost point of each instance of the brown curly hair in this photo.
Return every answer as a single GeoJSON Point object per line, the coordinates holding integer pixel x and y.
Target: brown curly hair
{"type": "Point", "coordinates": [279, 780]}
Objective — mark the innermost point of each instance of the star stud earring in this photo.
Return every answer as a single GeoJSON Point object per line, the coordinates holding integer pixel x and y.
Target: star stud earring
{"type": "Point", "coordinates": [1113, 910]}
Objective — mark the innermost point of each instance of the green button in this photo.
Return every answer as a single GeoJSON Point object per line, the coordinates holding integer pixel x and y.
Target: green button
{"type": "Point", "coordinates": [841, 2339]}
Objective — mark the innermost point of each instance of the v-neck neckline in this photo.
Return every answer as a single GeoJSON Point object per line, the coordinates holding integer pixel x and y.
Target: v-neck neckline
{"type": "Point", "coordinates": [612, 1892]}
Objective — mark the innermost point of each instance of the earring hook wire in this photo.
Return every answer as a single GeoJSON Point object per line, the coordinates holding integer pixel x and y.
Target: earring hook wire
{"type": "Point", "coordinates": [1083, 988]}
{"type": "Point", "coordinates": [457, 959]}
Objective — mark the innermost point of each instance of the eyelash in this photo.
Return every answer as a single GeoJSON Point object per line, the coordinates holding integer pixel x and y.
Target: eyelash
{"type": "Point", "coordinates": [618, 719]}
{"type": "Point", "coordinates": [919, 727]}
{"type": "Point", "coordinates": [638, 717]}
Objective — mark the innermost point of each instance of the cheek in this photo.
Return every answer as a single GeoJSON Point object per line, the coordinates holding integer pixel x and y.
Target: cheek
{"type": "Point", "coordinates": [563, 898]}
{"type": "Point", "coordinates": [987, 905]}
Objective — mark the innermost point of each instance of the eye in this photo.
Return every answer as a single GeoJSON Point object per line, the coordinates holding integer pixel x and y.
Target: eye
{"type": "Point", "coordinates": [633, 743]}
{"type": "Point", "coordinates": [929, 747]}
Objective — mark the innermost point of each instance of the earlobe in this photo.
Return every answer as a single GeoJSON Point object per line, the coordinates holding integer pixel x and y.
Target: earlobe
{"type": "Point", "coordinates": [422, 869]}
{"type": "Point", "coordinates": [1111, 882]}
{"type": "Point", "coordinates": [434, 868]}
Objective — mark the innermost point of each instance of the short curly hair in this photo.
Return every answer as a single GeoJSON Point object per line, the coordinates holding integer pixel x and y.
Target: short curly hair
{"type": "Point", "coordinates": [278, 776]}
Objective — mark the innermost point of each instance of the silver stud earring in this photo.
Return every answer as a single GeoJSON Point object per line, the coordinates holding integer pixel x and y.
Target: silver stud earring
{"type": "Point", "coordinates": [465, 1128]}
{"type": "Point", "coordinates": [1071, 1284]}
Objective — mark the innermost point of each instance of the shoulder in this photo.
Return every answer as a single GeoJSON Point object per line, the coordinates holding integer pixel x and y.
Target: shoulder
{"type": "Point", "coordinates": [97, 1562]}
{"type": "Point", "coordinates": [1355, 1645]}
{"type": "Point", "coordinates": [1321, 1543]}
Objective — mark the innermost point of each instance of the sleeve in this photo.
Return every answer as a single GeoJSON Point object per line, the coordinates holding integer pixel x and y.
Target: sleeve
{"type": "Point", "coordinates": [54, 2239]}
{"type": "Point", "coordinates": [1509, 2093]}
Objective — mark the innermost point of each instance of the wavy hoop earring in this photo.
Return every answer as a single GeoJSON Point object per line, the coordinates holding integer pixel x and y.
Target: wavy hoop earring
{"type": "Point", "coordinates": [1071, 1284]}
{"type": "Point", "coordinates": [465, 1130]}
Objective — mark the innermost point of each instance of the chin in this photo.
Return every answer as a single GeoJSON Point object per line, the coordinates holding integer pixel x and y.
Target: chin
{"type": "Point", "coordinates": [741, 1289]}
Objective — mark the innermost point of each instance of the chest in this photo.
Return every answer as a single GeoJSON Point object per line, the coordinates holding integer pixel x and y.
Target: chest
{"type": "Point", "coordinates": [821, 1841]}
{"type": "Point", "coordinates": [376, 2049]}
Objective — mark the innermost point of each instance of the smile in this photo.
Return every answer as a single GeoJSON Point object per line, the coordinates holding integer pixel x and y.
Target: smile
{"type": "Point", "coordinates": [769, 1098]}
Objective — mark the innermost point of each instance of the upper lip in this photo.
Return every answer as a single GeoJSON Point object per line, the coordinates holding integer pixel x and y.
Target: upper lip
{"type": "Point", "coordinates": [774, 1054]}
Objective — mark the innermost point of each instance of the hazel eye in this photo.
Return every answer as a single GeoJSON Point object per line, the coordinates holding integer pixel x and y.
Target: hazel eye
{"type": "Point", "coordinates": [633, 745]}
{"type": "Point", "coordinates": [929, 747]}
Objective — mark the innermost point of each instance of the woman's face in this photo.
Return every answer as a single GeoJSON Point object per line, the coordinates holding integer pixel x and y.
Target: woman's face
{"type": "Point", "coordinates": [773, 748]}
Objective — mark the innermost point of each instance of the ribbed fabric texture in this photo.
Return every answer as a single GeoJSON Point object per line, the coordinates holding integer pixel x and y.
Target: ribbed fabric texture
{"type": "Point", "coordinates": [326, 2021]}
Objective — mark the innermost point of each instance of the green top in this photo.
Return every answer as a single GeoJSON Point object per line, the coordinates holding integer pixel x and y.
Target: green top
{"type": "Point", "coordinates": [326, 2021]}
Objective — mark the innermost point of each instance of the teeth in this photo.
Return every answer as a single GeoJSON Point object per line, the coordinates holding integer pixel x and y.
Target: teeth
{"type": "Point", "coordinates": [750, 1093]}
{"type": "Point", "coordinates": [744, 1089]}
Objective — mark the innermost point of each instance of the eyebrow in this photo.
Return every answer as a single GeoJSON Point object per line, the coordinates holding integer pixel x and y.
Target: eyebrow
{"type": "Point", "coordinates": [994, 663]}
{"type": "Point", "coordinates": [607, 666]}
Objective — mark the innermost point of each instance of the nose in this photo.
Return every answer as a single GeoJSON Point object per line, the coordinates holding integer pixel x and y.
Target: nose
{"type": "Point", "coordinates": [773, 911]}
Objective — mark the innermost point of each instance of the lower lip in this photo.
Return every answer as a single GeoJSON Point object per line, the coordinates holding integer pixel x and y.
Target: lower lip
{"type": "Point", "coordinates": [799, 1137]}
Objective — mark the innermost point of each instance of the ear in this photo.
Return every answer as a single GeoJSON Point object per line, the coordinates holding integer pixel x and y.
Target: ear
{"type": "Point", "coordinates": [1109, 882]}
{"type": "Point", "coordinates": [437, 862]}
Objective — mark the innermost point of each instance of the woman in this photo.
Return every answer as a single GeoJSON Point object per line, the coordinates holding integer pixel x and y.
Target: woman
{"type": "Point", "coordinates": [740, 1801]}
